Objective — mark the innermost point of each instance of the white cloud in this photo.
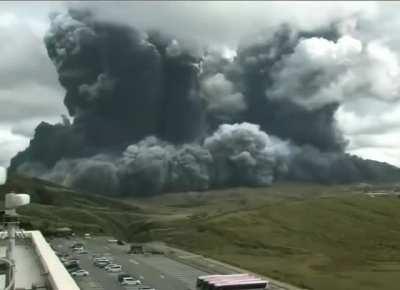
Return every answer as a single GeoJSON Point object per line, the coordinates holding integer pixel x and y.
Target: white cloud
{"type": "Point", "coordinates": [320, 72]}
{"type": "Point", "coordinates": [10, 144]}
{"type": "Point", "coordinates": [382, 119]}
{"type": "Point", "coordinates": [373, 132]}
{"type": "Point", "coordinates": [391, 156]}
{"type": "Point", "coordinates": [3, 175]}
{"type": "Point", "coordinates": [29, 89]}
{"type": "Point", "coordinates": [362, 77]}
{"type": "Point", "coordinates": [220, 95]}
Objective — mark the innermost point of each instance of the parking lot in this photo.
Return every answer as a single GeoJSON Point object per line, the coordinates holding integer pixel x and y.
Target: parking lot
{"type": "Point", "coordinates": [156, 271]}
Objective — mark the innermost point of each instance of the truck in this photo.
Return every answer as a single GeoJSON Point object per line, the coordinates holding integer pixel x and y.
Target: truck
{"type": "Point", "coordinates": [230, 282]}
{"type": "Point", "coordinates": [136, 249]}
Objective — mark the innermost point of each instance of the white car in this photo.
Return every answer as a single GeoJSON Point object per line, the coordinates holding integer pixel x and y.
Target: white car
{"type": "Point", "coordinates": [130, 281]}
{"type": "Point", "coordinates": [112, 265]}
{"type": "Point", "coordinates": [80, 273]}
{"type": "Point", "coordinates": [113, 268]}
{"type": "Point", "coordinates": [146, 288]}
{"type": "Point", "coordinates": [100, 259]}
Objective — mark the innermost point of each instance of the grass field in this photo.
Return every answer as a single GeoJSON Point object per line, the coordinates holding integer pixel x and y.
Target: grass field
{"type": "Point", "coordinates": [319, 237]}
{"type": "Point", "coordinates": [325, 238]}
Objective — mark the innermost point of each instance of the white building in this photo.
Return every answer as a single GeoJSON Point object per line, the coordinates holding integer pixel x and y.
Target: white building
{"type": "Point", "coordinates": [27, 261]}
{"type": "Point", "coordinates": [36, 264]}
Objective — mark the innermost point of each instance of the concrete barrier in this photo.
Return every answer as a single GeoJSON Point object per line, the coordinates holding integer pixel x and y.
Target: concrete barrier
{"type": "Point", "coordinates": [58, 276]}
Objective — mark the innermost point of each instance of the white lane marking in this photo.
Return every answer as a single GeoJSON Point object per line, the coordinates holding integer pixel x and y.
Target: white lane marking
{"type": "Point", "coordinates": [134, 261]}
{"type": "Point", "coordinates": [189, 256]}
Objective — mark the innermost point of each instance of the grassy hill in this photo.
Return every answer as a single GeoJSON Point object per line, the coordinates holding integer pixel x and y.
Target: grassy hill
{"type": "Point", "coordinates": [320, 237]}
{"type": "Point", "coordinates": [55, 206]}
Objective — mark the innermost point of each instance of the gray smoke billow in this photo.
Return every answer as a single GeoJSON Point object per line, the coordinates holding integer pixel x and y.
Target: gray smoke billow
{"type": "Point", "coordinates": [155, 166]}
{"type": "Point", "coordinates": [245, 155]}
{"type": "Point", "coordinates": [152, 115]}
{"type": "Point", "coordinates": [235, 154]}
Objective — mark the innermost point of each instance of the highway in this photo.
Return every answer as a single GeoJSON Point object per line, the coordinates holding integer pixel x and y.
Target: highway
{"type": "Point", "coordinates": [156, 271]}
{"type": "Point", "coordinates": [176, 270]}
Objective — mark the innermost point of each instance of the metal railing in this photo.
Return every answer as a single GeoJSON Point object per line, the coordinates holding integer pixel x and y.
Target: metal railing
{"type": "Point", "coordinates": [10, 274]}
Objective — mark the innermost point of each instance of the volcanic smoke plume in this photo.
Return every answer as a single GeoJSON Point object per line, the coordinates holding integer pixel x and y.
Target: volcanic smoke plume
{"type": "Point", "coordinates": [151, 115]}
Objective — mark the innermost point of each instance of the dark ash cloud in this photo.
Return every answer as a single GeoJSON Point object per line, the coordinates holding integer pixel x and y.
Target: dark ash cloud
{"type": "Point", "coordinates": [151, 115]}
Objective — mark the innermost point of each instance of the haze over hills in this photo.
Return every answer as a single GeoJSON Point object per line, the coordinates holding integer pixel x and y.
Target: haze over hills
{"type": "Point", "coordinates": [148, 114]}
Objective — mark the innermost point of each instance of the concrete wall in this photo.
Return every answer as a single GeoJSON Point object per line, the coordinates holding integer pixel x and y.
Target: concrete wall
{"type": "Point", "coordinates": [58, 276]}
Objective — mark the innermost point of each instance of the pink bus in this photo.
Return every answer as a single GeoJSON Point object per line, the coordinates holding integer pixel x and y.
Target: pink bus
{"type": "Point", "coordinates": [233, 281]}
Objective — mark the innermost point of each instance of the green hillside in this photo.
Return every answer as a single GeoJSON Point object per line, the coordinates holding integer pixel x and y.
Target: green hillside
{"type": "Point", "coordinates": [54, 206]}
{"type": "Point", "coordinates": [320, 237]}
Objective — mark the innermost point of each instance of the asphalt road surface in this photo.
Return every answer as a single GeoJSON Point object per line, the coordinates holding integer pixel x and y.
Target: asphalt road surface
{"type": "Point", "coordinates": [157, 271]}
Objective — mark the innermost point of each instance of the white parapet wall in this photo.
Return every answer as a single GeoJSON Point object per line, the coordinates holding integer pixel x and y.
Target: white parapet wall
{"type": "Point", "coordinates": [58, 276]}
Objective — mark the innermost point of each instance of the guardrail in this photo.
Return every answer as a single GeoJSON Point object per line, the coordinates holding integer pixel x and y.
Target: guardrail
{"type": "Point", "coordinates": [58, 277]}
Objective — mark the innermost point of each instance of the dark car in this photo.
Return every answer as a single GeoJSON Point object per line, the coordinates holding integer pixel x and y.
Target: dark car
{"type": "Point", "coordinates": [71, 260]}
{"type": "Point", "coordinates": [71, 264]}
{"type": "Point", "coordinates": [80, 252]}
{"type": "Point", "coordinates": [73, 269]}
{"type": "Point", "coordinates": [121, 243]}
{"type": "Point", "coordinates": [122, 276]}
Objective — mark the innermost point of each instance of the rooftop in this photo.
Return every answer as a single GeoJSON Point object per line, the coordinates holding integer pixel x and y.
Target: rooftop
{"type": "Point", "coordinates": [36, 263]}
{"type": "Point", "coordinates": [29, 270]}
